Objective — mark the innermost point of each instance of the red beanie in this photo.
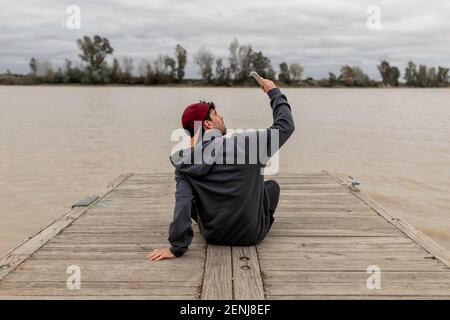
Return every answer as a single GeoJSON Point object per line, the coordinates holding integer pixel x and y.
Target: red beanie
{"type": "Point", "coordinates": [194, 112]}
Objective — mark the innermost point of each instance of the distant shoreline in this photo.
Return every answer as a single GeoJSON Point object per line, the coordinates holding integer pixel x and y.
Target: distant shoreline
{"type": "Point", "coordinates": [243, 86]}
{"type": "Point", "coordinates": [169, 71]}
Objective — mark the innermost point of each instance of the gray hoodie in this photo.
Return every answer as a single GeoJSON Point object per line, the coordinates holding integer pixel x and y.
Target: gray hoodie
{"type": "Point", "coordinates": [223, 190]}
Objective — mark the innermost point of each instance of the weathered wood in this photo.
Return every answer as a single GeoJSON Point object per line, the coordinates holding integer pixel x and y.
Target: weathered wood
{"type": "Point", "coordinates": [95, 256]}
{"type": "Point", "coordinates": [351, 255]}
{"type": "Point", "coordinates": [99, 297]}
{"type": "Point", "coordinates": [113, 264]}
{"type": "Point", "coordinates": [232, 273]}
{"type": "Point", "coordinates": [321, 247]}
{"type": "Point", "coordinates": [19, 254]}
{"type": "Point", "coordinates": [115, 288]}
{"type": "Point", "coordinates": [218, 275]}
{"type": "Point", "coordinates": [417, 236]}
{"type": "Point", "coordinates": [359, 288]}
{"type": "Point", "coordinates": [352, 277]}
{"type": "Point", "coordinates": [336, 241]}
{"type": "Point", "coordinates": [99, 275]}
{"type": "Point", "coordinates": [362, 264]}
{"type": "Point", "coordinates": [344, 232]}
{"type": "Point", "coordinates": [356, 297]}
{"type": "Point", "coordinates": [246, 274]}
{"type": "Point", "coordinates": [116, 238]}
{"type": "Point", "coordinates": [322, 242]}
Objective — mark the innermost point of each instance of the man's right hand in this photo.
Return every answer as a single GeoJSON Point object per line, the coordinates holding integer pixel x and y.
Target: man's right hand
{"type": "Point", "coordinates": [267, 85]}
{"type": "Point", "coordinates": [160, 254]}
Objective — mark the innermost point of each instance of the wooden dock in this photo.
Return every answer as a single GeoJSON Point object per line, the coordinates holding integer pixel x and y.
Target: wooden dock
{"type": "Point", "coordinates": [324, 239]}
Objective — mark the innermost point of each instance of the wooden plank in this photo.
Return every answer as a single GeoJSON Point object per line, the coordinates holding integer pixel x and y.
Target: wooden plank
{"type": "Point", "coordinates": [417, 236]}
{"type": "Point", "coordinates": [108, 247]}
{"type": "Point", "coordinates": [328, 247]}
{"type": "Point", "coordinates": [16, 256]}
{"type": "Point", "coordinates": [116, 288]}
{"type": "Point", "coordinates": [100, 297]}
{"type": "Point", "coordinates": [312, 199]}
{"type": "Point", "coordinates": [313, 255]}
{"type": "Point", "coordinates": [116, 238]}
{"type": "Point", "coordinates": [356, 265]}
{"type": "Point", "coordinates": [320, 246]}
{"type": "Point", "coordinates": [92, 274]}
{"type": "Point", "coordinates": [292, 214]}
{"type": "Point", "coordinates": [320, 206]}
{"type": "Point", "coordinates": [217, 279]}
{"type": "Point", "coordinates": [337, 240]}
{"type": "Point", "coordinates": [351, 255]}
{"type": "Point", "coordinates": [358, 288]}
{"type": "Point", "coordinates": [247, 282]}
{"type": "Point", "coordinates": [111, 254]}
{"type": "Point", "coordinates": [357, 297]}
{"type": "Point", "coordinates": [330, 222]}
{"type": "Point", "coordinates": [353, 277]}
{"type": "Point", "coordinates": [339, 244]}
{"type": "Point", "coordinates": [59, 268]}
{"type": "Point", "coordinates": [318, 209]}
{"type": "Point", "coordinates": [344, 232]}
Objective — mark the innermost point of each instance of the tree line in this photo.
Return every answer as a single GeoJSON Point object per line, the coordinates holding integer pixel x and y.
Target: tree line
{"type": "Point", "coordinates": [94, 68]}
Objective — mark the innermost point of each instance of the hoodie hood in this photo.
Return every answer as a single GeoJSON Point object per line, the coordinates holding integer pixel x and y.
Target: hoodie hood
{"type": "Point", "coordinates": [199, 160]}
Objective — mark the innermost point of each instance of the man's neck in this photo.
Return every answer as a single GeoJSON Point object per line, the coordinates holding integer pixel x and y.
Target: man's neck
{"type": "Point", "coordinates": [198, 134]}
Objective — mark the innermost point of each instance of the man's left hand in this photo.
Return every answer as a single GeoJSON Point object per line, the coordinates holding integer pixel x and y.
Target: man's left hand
{"type": "Point", "coordinates": [160, 254]}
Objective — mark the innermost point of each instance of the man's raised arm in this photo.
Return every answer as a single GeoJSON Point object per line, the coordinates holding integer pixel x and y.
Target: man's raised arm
{"type": "Point", "coordinates": [282, 115]}
{"type": "Point", "coordinates": [261, 145]}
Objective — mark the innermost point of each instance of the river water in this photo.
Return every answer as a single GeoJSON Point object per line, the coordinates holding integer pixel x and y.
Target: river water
{"type": "Point", "coordinates": [60, 144]}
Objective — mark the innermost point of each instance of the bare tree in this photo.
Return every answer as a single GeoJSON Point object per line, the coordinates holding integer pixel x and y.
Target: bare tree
{"type": "Point", "coordinates": [116, 71]}
{"type": "Point", "coordinates": [205, 60]}
{"type": "Point", "coordinates": [181, 56]}
{"type": "Point", "coordinates": [296, 71]}
{"type": "Point", "coordinates": [234, 58]}
{"type": "Point", "coordinates": [127, 63]}
{"type": "Point", "coordinates": [170, 64]}
{"type": "Point", "coordinates": [432, 77]}
{"type": "Point", "coordinates": [43, 68]}
{"type": "Point", "coordinates": [245, 54]}
{"type": "Point", "coordinates": [222, 73]}
{"type": "Point", "coordinates": [145, 71]}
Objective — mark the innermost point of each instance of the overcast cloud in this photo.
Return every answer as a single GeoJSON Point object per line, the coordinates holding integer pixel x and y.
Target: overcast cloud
{"type": "Point", "coordinates": [321, 35]}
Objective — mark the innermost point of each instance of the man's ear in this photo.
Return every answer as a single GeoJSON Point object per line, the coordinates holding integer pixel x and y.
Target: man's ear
{"type": "Point", "coordinates": [207, 124]}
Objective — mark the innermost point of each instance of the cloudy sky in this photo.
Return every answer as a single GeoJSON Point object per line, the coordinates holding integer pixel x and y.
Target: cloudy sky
{"type": "Point", "coordinates": [319, 34]}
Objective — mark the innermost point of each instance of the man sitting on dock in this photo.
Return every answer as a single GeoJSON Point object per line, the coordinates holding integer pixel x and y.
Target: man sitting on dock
{"type": "Point", "coordinates": [228, 198]}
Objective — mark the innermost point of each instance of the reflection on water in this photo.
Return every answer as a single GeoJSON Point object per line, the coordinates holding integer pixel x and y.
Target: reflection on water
{"type": "Point", "coordinates": [59, 144]}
